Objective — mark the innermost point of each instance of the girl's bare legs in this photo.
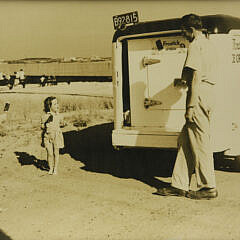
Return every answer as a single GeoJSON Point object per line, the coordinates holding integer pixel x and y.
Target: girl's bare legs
{"type": "Point", "coordinates": [49, 148]}
{"type": "Point", "coordinates": [56, 159]}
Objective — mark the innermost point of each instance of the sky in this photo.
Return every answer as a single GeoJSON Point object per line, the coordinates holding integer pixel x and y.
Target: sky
{"type": "Point", "coordinates": [83, 28]}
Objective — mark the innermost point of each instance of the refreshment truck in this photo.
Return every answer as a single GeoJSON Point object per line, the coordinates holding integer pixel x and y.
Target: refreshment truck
{"type": "Point", "coordinates": [149, 98]}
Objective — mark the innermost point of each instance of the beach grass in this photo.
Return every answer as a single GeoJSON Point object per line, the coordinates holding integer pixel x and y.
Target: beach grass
{"type": "Point", "coordinates": [27, 109]}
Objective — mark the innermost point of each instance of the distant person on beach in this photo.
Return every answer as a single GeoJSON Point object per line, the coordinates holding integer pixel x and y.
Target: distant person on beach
{"type": "Point", "coordinates": [22, 78]}
{"type": "Point", "coordinates": [49, 81]}
{"type": "Point", "coordinates": [17, 78]}
{"type": "Point", "coordinates": [54, 80]}
{"type": "Point", "coordinates": [42, 81]}
{"type": "Point", "coordinates": [5, 81]}
{"type": "Point", "coordinates": [10, 81]}
{"type": "Point", "coordinates": [52, 137]}
{"type": "Point", "coordinates": [1, 79]}
{"type": "Point", "coordinates": [68, 81]}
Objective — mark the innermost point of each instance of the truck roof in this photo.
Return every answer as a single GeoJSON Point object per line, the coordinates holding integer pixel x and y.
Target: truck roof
{"type": "Point", "coordinates": [223, 24]}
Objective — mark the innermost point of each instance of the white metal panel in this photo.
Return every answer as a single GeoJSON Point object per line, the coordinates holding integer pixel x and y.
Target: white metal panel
{"type": "Point", "coordinates": [226, 93]}
{"type": "Point", "coordinates": [141, 140]}
{"type": "Point", "coordinates": [156, 81]}
{"type": "Point", "coordinates": [161, 78]}
{"type": "Point", "coordinates": [117, 84]}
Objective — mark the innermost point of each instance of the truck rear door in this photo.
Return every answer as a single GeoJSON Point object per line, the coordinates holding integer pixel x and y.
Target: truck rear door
{"type": "Point", "coordinates": [152, 71]}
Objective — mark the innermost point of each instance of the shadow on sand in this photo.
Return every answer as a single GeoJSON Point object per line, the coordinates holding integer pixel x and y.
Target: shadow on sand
{"type": "Point", "coordinates": [93, 147]}
{"type": "Point", "coordinates": [3, 236]}
{"type": "Point", "coordinates": [27, 159]}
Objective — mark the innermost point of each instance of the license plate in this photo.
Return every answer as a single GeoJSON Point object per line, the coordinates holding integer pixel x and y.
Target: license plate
{"type": "Point", "coordinates": [124, 19]}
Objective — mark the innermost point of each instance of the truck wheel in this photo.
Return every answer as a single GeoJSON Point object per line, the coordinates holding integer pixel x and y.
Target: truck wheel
{"type": "Point", "coordinates": [219, 160]}
{"type": "Point", "coordinates": [236, 163]}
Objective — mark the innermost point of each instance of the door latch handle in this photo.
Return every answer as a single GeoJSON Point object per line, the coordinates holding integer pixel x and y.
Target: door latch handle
{"type": "Point", "coordinates": [149, 61]}
{"type": "Point", "coordinates": [150, 102]}
{"type": "Point", "coordinates": [178, 82]}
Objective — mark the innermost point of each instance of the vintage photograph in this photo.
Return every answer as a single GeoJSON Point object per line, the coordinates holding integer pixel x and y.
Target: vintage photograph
{"type": "Point", "coordinates": [119, 120]}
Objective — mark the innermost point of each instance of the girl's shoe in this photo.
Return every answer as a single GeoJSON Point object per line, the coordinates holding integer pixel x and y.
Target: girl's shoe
{"type": "Point", "coordinates": [54, 172]}
{"type": "Point", "coordinates": [50, 172]}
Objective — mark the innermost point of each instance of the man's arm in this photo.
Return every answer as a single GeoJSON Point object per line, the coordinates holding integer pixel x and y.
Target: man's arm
{"type": "Point", "coordinates": [193, 81]}
{"type": "Point", "coordinates": [191, 77]}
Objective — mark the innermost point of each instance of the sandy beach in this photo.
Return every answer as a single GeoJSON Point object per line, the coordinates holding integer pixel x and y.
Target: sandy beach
{"type": "Point", "coordinates": [100, 193]}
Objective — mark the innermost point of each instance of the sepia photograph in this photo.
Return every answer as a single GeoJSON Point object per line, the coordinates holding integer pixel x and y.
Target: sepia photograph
{"type": "Point", "coordinates": [119, 120]}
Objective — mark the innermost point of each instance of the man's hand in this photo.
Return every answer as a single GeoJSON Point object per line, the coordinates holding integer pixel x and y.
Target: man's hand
{"type": "Point", "coordinates": [189, 115]}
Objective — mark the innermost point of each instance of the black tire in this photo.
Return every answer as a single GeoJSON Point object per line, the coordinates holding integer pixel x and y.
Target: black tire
{"type": "Point", "coordinates": [236, 163]}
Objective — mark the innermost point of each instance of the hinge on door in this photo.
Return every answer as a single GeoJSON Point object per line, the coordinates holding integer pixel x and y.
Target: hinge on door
{"type": "Point", "coordinates": [149, 61]}
{"type": "Point", "coordinates": [150, 102]}
{"type": "Point", "coordinates": [117, 80]}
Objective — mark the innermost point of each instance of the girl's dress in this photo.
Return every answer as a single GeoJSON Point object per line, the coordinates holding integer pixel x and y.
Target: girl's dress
{"type": "Point", "coordinates": [51, 132]}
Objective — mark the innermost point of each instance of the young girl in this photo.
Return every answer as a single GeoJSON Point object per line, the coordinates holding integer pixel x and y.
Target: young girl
{"type": "Point", "coordinates": [52, 137]}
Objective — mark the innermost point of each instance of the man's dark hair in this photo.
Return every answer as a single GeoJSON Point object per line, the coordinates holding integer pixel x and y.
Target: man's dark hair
{"type": "Point", "coordinates": [191, 20]}
{"type": "Point", "coordinates": [48, 103]}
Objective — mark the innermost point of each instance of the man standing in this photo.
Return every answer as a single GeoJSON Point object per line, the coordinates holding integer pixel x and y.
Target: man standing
{"type": "Point", "coordinates": [22, 78]}
{"type": "Point", "coordinates": [42, 80]}
{"type": "Point", "coordinates": [1, 79]}
{"type": "Point", "coordinates": [194, 143]}
{"type": "Point", "coordinates": [16, 78]}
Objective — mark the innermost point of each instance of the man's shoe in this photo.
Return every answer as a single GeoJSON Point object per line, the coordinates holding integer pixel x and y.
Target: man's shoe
{"type": "Point", "coordinates": [171, 191]}
{"type": "Point", "coordinates": [203, 193]}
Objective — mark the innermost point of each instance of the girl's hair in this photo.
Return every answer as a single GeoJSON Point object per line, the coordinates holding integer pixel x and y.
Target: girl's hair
{"type": "Point", "coordinates": [48, 103]}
